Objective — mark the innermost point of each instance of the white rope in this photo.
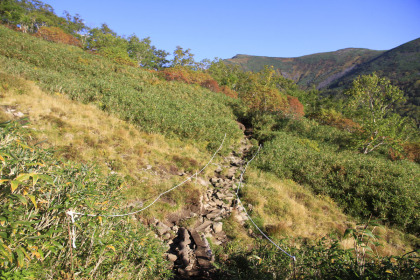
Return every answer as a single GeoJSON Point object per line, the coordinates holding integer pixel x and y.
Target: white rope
{"type": "Point", "coordinates": [246, 213]}
{"type": "Point", "coordinates": [73, 214]}
{"type": "Point", "coordinates": [73, 231]}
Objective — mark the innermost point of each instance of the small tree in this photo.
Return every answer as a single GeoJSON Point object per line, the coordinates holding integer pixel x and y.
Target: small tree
{"type": "Point", "coordinates": [372, 101]}
{"type": "Point", "coordinates": [183, 58]}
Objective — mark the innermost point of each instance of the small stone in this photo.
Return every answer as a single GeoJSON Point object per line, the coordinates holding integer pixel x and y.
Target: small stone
{"type": "Point", "coordinates": [217, 227]}
{"type": "Point", "coordinates": [172, 257]}
{"type": "Point", "coordinates": [166, 236]}
{"type": "Point", "coordinates": [162, 228]}
{"type": "Point", "coordinates": [204, 226]}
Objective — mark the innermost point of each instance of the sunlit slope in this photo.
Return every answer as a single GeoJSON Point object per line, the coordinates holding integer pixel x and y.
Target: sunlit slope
{"type": "Point", "coordinates": [151, 164]}
{"type": "Point", "coordinates": [133, 94]}
{"type": "Point", "coordinates": [310, 70]}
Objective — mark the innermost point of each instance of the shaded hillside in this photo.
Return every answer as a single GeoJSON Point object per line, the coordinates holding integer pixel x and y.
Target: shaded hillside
{"type": "Point", "coordinates": [401, 65]}
{"type": "Point", "coordinates": [311, 70]}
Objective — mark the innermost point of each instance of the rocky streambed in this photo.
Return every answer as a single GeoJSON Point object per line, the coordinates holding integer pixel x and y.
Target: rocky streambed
{"type": "Point", "coordinates": [189, 250]}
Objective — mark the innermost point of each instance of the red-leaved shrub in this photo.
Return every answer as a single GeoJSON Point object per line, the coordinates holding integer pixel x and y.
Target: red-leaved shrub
{"type": "Point", "coordinates": [296, 109]}
{"type": "Point", "coordinates": [56, 34]}
{"type": "Point", "coordinates": [229, 92]}
{"type": "Point", "coordinates": [211, 85]}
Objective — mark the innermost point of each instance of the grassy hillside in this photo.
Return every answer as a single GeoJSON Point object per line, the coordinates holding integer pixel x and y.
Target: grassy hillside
{"type": "Point", "coordinates": [311, 70]}
{"type": "Point", "coordinates": [333, 72]}
{"type": "Point", "coordinates": [121, 154]}
{"type": "Point", "coordinates": [133, 94]}
{"type": "Point", "coordinates": [401, 65]}
{"type": "Point", "coordinates": [110, 138]}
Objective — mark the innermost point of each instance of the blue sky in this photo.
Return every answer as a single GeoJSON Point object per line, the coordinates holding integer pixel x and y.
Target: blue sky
{"type": "Point", "coordinates": [282, 28]}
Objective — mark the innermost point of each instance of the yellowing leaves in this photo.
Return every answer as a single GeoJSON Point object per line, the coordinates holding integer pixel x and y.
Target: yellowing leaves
{"type": "Point", "coordinates": [110, 247]}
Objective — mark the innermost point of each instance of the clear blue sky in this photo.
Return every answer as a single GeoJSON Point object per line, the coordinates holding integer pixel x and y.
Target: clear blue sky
{"type": "Point", "coordinates": [282, 28]}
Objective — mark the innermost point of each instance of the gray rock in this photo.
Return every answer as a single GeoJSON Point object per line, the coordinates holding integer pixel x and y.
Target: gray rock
{"type": "Point", "coordinates": [204, 226]}
{"type": "Point", "coordinates": [162, 228]}
{"type": "Point", "coordinates": [166, 236]}
{"type": "Point", "coordinates": [231, 173]}
{"type": "Point", "coordinates": [217, 227]}
{"type": "Point", "coordinates": [202, 182]}
{"type": "Point", "coordinates": [172, 257]}
{"type": "Point", "coordinates": [215, 214]}
{"type": "Point", "coordinates": [220, 195]}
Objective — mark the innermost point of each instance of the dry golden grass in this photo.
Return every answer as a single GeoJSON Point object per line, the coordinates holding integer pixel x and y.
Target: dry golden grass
{"type": "Point", "coordinates": [286, 209]}
{"type": "Point", "coordinates": [150, 163]}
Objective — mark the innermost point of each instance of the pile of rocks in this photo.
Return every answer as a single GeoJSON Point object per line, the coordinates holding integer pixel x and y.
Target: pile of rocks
{"type": "Point", "coordinates": [188, 248]}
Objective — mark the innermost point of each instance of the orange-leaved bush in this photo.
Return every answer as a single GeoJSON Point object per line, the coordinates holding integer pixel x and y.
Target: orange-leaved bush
{"type": "Point", "coordinates": [336, 119]}
{"type": "Point", "coordinates": [211, 84]}
{"type": "Point", "coordinates": [56, 34]}
{"type": "Point", "coordinates": [296, 109]}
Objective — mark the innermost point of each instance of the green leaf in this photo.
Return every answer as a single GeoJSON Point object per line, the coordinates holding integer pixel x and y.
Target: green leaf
{"type": "Point", "coordinates": [348, 232]}
{"type": "Point", "coordinates": [22, 177]}
{"type": "Point", "coordinates": [46, 178]}
{"type": "Point", "coordinates": [21, 257]}
{"type": "Point", "coordinates": [369, 233]}
{"type": "Point", "coordinates": [58, 245]}
{"type": "Point", "coordinates": [32, 198]}
{"type": "Point", "coordinates": [14, 184]}
{"type": "Point", "coordinates": [35, 179]}
{"type": "Point", "coordinates": [21, 198]}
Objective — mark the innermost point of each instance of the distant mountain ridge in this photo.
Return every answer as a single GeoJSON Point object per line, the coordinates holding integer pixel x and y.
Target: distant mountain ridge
{"type": "Point", "coordinates": [310, 70]}
{"type": "Point", "coordinates": [334, 71]}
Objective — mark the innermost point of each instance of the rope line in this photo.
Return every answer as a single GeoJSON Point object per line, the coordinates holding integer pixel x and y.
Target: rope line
{"type": "Point", "coordinates": [246, 212]}
{"type": "Point", "coordinates": [74, 214]}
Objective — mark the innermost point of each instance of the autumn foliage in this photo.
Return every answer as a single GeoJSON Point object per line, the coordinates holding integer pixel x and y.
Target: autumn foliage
{"type": "Point", "coordinates": [188, 76]}
{"type": "Point", "coordinates": [296, 109]}
{"type": "Point", "coordinates": [336, 119]}
{"type": "Point", "coordinates": [56, 34]}
{"type": "Point", "coordinates": [410, 151]}
{"type": "Point", "coordinates": [211, 85]}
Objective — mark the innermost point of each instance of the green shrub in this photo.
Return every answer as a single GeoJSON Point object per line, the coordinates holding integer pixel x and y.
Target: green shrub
{"type": "Point", "coordinates": [324, 259]}
{"type": "Point", "coordinates": [362, 185]}
{"type": "Point", "coordinates": [36, 191]}
{"type": "Point", "coordinates": [133, 94]}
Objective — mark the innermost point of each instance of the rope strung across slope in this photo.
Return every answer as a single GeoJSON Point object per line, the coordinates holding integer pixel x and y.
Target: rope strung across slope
{"type": "Point", "coordinates": [73, 214]}
{"type": "Point", "coordinates": [249, 217]}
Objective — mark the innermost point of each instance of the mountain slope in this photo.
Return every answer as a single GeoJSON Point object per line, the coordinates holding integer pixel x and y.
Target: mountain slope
{"type": "Point", "coordinates": [311, 70]}
{"type": "Point", "coordinates": [401, 65]}
{"type": "Point", "coordinates": [333, 72]}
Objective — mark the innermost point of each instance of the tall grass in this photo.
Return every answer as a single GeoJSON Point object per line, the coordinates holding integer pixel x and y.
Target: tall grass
{"type": "Point", "coordinates": [133, 94]}
{"type": "Point", "coordinates": [36, 190]}
{"type": "Point", "coordinates": [362, 185]}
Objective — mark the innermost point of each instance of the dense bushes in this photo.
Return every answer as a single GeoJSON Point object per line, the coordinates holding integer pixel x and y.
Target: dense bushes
{"type": "Point", "coordinates": [135, 95]}
{"type": "Point", "coordinates": [55, 34]}
{"type": "Point", "coordinates": [324, 259]}
{"type": "Point", "coordinates": [35, 192]}
{"type": "Point", "coordinates": [361, 185]}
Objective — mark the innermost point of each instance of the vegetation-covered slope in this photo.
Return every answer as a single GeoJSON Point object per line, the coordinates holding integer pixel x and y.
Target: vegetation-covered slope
{"type": "Point", "coordinates": [332, 72]}
{"type": "Point", "coordinates": [144, 130]}
{"type": "Point", "coordinates": [401, 65]}
{"type": "Point", "coordinates": [316, 70]}
{"type": "Point", "coordinates": [134, 94]}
